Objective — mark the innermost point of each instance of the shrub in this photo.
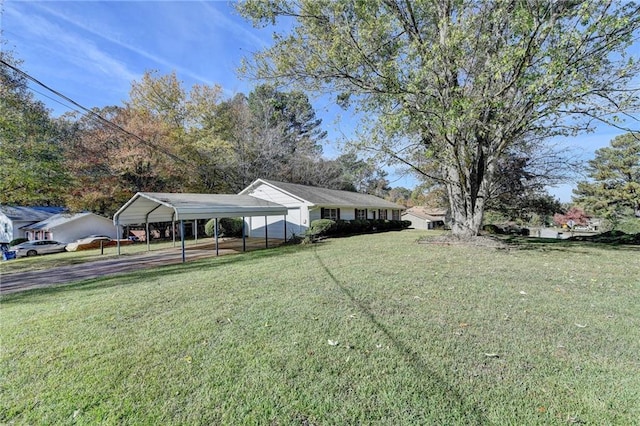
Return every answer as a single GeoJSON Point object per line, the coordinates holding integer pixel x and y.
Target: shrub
{"type": "Point", "coordinates": [320, 227]}
{"type": "Point", "coordinates": [230, 227]}
{"type": "Point", "coordinates": [17, 241]}
{"type": "Point", "coordinates": [227, 227]}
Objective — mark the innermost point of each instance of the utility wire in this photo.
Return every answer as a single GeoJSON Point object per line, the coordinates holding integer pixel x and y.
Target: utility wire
{"type": "Point", "coordinates": [91, 112]}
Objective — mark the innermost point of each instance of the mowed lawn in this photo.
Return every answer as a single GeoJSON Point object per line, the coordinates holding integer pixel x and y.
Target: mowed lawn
{"type": "Point", "coordinates": [373, 329]}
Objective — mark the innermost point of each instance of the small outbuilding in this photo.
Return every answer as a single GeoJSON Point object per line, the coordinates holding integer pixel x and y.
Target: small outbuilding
{"type": "Point", "coordinates": [425, 217]}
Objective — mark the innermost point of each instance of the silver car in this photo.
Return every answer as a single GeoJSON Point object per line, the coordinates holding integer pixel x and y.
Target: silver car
{"type": "Point", "coordinates": [36, 247]}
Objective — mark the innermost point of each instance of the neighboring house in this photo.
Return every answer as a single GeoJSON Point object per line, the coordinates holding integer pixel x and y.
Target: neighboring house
{"type": "Point", "coordinates": [425, 217]}
{"type": "Point", "coordinates": [308, 203]}
{"type": "Point", "coordinates": [67, 227]}
{"type": "Point", "coordinates": [13, 219]}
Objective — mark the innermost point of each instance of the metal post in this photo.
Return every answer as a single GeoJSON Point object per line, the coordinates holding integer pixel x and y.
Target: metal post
{"type": "Point", "coordinates": [244, 241]}
{"type": "Point", "coordinates": [195, 225]}
{"type": "Point", "coordinates": [182, 240]}
{"type": "Point", "coordinates": [117, 237]}
{"type": "Point", "coordinates": [285, 228]}
{"type": "Point", "coordinates": [215, 232]}
{"type": "Point", "coordinates": [266, 233]}
{"type": "Point", "coordinates": [147, 236]}
{"type": "Point", "coordinates": [173, 230]}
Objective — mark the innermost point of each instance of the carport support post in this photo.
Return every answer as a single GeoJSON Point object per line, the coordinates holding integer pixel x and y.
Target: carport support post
{"type": "Point", "coordinates": [215, 233]}
{"type": "Point", "coordinates": [182, 240]}
{"type": "Point", "coordinates": [195, 225]}
{"type": "Point", "coordinates": [147, 236]}
{"type": "Point", "coordinates": [244, 241]}
{"type": "Point", "coordinates": [285, 228]}
{"type": "Point", "coordinates": [266, 233]}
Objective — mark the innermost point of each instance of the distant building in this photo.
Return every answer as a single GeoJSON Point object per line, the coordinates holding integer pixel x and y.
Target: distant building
{"type": "Point", "coordinates": [13, 219]}
{"type": "Point", "coordinates": [425, 217]}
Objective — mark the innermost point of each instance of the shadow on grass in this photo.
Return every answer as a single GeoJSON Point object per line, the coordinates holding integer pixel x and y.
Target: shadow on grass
{"type": "Point", "coordinates": [149, 273]}
{"type": "Point", "coordinates": [574, 246]}
{"type": "Point", "coordinates": [470, 412]}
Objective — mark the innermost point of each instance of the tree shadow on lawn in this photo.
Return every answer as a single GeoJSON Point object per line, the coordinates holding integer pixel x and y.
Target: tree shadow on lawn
{"type": "Point", "coordinates": [470, 412]}
{"type": "Point", "coordinates": [573, 246]}
{"type": "Point", "coordinates": [36, 295]}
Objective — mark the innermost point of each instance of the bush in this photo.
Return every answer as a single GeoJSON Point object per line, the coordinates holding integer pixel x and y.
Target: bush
{"type": "Point", "coordinates": [320, 227]}
{"type": "Point", "coordinates": [227, 227]}
{"type": "Point", "coordinates": [17, 241]}
{"type": "Point", "coordinates": [326, 227]}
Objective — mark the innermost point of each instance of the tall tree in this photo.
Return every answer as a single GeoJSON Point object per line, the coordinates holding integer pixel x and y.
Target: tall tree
{"type": "Point", "coordinates": [463, 82]}
{"type": "Point", "coordinates": [613, 190]}
{"type": "Point", "coordinates": [31, 170]}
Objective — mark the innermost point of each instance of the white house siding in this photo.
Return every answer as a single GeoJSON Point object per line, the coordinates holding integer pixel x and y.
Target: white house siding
{"type": "Point", "coordinates": [416, 222]}
{"type": "Point", "coordinates": [268, 193]}
{"type": "Point", "coordinates": [297, 216]}
{"type": "Point", "coordinates": [83, 226]}
{"type": "Point", "coordinates": [6, 229]}
{"type": "Point", "coordinates": [255, 226]}
{"type": "Point", "coordinates": [76, 227]}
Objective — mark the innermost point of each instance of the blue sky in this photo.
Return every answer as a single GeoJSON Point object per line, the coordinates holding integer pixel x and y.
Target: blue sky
{"type": "Point", "coordinates": [91, 51]}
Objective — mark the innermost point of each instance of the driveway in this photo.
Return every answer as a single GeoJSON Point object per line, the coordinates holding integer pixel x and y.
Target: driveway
{"type": "Point", "coordinates": [19, 281]}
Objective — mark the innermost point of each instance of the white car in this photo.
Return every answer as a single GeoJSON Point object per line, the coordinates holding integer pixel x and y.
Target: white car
{"type": "Point", "coordinates": [36, 247]}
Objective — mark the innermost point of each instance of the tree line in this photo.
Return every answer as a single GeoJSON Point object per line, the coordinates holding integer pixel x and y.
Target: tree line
{"type": "Point", "coordinates": [165, 138]}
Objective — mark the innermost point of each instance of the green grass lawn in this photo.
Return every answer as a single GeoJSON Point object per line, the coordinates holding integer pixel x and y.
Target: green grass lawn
{"type": "Point", "coordinates": [373, 329]}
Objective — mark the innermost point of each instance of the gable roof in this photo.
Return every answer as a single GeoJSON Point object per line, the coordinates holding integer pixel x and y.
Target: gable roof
{"type": "Point", "coordinates": [326, 197]}
{"type": "Point", "coordinates": [165, 207]}
{"type": "Point", "coordinates": [29, 214]}
{"type": "Point", "coordinates": [428, 213]}
{"type": "Point", "coordinates": [57, 220]}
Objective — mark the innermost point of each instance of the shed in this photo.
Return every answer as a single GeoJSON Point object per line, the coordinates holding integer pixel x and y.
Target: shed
{"type": "Point", "coordinates": [150, 207]}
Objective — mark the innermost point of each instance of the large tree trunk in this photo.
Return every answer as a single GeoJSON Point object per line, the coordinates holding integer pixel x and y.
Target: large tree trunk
{"type": "Point", "coordinates": [468, 186]}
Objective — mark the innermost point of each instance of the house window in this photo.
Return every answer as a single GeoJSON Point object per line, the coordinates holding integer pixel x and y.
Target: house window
{"type": "Point", "coordinates": [333, 214]}
{"type": "Point", "coordinates": [382, 214]}
{"type": "Point", "coordinates": [395, 215]}
{"type": "Point", "coordinates": [361, 214]}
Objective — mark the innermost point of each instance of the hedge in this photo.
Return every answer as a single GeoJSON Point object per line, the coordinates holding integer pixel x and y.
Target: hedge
{"type": "Point", "coordinates": [332, 228]}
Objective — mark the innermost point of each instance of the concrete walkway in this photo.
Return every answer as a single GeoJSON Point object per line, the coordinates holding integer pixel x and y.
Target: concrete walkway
{"type": "Point", "coordinates": [20, 281]}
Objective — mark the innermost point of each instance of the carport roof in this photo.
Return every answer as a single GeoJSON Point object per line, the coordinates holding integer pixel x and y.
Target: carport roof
{"type": "Point", "coordinates": [165, 207]}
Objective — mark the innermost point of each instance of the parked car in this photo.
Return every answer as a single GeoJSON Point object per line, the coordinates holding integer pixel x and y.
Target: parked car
{"type": "Point", "coordinates": [36, 247]}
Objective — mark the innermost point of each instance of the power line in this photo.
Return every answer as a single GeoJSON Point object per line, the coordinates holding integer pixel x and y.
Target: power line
{"type": "Point", "coordinates": [90, 112]}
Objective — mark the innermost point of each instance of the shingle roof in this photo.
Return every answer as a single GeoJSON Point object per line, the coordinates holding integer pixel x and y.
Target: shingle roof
{"type": "Point", "coordinates": [29, 214]}
{"type": "Point", "coordinates": [427, 213]}
{"type": "Point", "coordinates": [54, 221]}
{"type": "Point", "coordinates": [332, 197]}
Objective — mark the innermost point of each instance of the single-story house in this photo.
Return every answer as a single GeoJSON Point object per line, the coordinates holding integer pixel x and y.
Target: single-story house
{"type": "Point", "coordinates": [13, 219]}
{"type": "Point", "coordinates": [69, 227]}
{"type": "Point", "coordinates": [425, 217]}
{"type": "Point", "coordinates": [307, 203]}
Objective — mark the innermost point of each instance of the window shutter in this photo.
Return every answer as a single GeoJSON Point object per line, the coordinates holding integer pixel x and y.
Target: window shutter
{"type": "Point", "coordinates": [321, 212]}
{"type": "Point", "coordinates": [338, 214]}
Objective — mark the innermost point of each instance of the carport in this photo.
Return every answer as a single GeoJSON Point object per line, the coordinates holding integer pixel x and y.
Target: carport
{"type": "Point", "coordinates": [151, 207]}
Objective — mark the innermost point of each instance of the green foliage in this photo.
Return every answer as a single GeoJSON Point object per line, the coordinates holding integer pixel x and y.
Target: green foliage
{"type": "Point", "coordinates": [231, 227]}
{"type": "Point", "coordinates": [17, 241]}
{"type": "Point", "coordinates": [614, 189]}
{"type": "Point", "coordinates": [227, 227]}
{"type": "Point", "coordinates": [327, 227]}
{"type": "Point", "coordinates": [320, 228]}
{"type": "Point", "coordinates": [31, 144]}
